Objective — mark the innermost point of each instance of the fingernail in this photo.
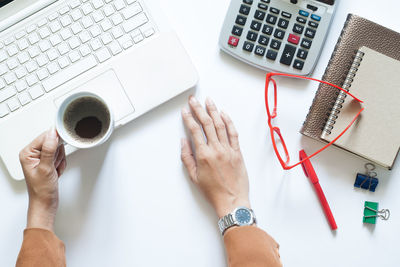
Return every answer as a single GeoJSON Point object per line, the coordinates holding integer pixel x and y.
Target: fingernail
{"type": "Point", "coordinates": [183, 141]}
{"type": "Point", "coordinates": [193, 100]}
{"type": "Point", "coordinates": [209, 101]}
{"type": "Point", "coordinates": [185, 110]}
{"type": "Point", "coordinates": [52, 133]}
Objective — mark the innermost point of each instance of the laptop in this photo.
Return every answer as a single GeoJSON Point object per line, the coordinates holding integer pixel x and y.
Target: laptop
{"type": "Point", "coordinates": [122, 50]}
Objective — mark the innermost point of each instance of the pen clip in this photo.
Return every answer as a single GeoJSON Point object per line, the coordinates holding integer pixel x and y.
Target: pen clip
{"type": "Point", "coordinates": [302, 155]}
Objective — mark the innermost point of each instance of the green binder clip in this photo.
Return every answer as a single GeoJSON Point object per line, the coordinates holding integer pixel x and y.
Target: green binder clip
{"type": "Point", "coordinates": [371, 212]}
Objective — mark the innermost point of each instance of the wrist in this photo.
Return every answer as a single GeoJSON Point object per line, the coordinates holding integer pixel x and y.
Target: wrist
{"type": "Point", "coordinates": [41, 216]}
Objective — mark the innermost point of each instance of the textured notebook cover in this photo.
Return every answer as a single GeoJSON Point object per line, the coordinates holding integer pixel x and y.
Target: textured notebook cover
{"type": "Point", "coordinates": [375, 135]}
{"type": "Point", "coordinates": [357, 32]}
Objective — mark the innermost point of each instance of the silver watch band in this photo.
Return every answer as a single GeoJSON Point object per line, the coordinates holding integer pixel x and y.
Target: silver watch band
{"type": "Point", "coordinates": [229, 220]}
{"type": "Point", "coordinates": [226, 222]}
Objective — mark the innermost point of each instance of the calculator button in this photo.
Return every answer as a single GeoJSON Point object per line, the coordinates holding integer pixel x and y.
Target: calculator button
{"type": "Point", "coordinates": [237, 30]}
{"type": "Point", "coordinates": [279, 34]}
{"type": "Point", "coordinates": [274, 10]}
{"type": "Point", "coordinates": [252, 36]}
{"type": "Point", "coordinates": [248, 46]}
{"type": "Point", "coordinates": [233, 41]}
{"type": "Point", "coordinates": [266, 1]}
{"type": "Point", "coordinates": [302, 54]}
{"type": "Point", "coordinates": [310, 33]}
{"type": "Point", "coordinates": [286, 14]}
{"type": "Point", "coordinates": [263, 40]}
{"type": "Point", "coordinates": [287, 55]}
{"type": "Point", "coordinates": [271, 54]}
{"type": "Point", "coordinates": [262, 6]}
{"type": "Point", "coordinates": [298, 64]}
{"type": "Point", "coordinates": [283, 23]}
{"type": "Point", "coordinates": [304, 13]}
{"type": "Point", "coordinates": [260, 51]}
{"type": "Point", "coordinates": [313, 24]}
{"type": "Point", "coordinates": [271, 19]}
{"type": "Point", "coordinates": [315, 17]}
{"type": "Point", "coordinates": [255, 25]}
{"type": "Point", "coordinates": [306, 43]}
{"type": "Point", "coordinates": [245, 10]}
{"type": "Point", "coordinates": [275, 44]}
{"type": "Point", "coordinates": [297, 28]}
{"type": "Point", "coordinates": [301, 20]}
{"type": "Point", "coordinates": [313, 8]}
{"type": "Point", "coordinates": [249, 2]}
{"type": "Point", "coordinates": [294, 39]}
{"type": "Point", "coordinates": [267, 29]}
{"type": "Point", "coordinates": [259, 15]}
{"type": "Point", "coordinates": [241, 20]}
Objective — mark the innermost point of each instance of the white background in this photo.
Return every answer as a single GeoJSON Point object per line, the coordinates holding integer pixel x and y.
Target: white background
{"type": "Point", "coordinates": [130, 203]}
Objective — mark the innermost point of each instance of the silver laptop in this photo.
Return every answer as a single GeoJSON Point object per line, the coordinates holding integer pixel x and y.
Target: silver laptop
{"type": "Point", "coordinates": [123, 50]}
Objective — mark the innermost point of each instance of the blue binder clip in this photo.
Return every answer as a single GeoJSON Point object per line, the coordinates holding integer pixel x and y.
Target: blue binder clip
{"type": "Point", "coordinates": [368, 181]}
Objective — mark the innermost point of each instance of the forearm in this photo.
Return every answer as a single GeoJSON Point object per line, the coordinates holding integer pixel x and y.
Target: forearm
{"type": "Point", "coordinates": [40, 216]}
{"type": "Point", "coordinates": [41, 248]}
{"type": "Point", "coordinates": [251, 247]}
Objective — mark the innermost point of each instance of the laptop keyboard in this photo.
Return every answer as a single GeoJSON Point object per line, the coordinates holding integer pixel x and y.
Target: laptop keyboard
{"type": "Point", "coordinates": [79, 36]}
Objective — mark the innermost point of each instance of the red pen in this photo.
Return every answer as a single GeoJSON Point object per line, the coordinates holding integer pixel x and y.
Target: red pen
{"type": "Point", "coordinates": [310, 173]}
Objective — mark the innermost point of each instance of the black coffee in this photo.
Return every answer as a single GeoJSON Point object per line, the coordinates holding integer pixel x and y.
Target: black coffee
{"type": "Point", "coordinates": [86, 119]}
{"type": "Point", "coordinates": [88, 127]}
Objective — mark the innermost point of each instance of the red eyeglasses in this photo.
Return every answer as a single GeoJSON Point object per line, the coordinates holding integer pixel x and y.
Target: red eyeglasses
{"type": "Point", "coordinates": [276, 135]}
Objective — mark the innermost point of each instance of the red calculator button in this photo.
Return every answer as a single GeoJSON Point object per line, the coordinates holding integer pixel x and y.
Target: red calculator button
{"type": "Point", "coordinates": [233, 41]}
{"type": "Point", "coordinates": [294, 39]}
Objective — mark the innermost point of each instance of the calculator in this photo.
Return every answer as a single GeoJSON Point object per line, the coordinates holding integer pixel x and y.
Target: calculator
{"type": "Point", "coordinates": [277, 35]}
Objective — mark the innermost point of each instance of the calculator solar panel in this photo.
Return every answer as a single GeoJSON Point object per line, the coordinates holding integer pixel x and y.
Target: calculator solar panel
{"type": "Point", "coordinates": [277, 35]}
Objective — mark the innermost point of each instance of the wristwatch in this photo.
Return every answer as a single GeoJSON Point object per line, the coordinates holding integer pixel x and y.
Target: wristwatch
{"type": "Point", "coordinates": [239, 217]}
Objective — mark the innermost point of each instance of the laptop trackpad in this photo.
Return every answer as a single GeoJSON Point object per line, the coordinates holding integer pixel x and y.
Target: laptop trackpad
{"type": "Point", "coordinates": [108, 86]}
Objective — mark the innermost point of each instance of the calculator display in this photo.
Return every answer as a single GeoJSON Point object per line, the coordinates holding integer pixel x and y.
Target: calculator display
{"type": "Point", "coordinates": [329, 2]}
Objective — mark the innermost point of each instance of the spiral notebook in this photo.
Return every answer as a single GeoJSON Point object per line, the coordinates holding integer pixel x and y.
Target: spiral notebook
{"type": "Point", "coordinates": [357, 32]}
{"type": "Point", "coordinates": [375, 79]}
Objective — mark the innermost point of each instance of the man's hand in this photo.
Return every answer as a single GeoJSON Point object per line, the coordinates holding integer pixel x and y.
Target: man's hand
{"type": "Point", "coordinates": [43, 162]}
{"type": "Point", "coordinates": [217, 167]}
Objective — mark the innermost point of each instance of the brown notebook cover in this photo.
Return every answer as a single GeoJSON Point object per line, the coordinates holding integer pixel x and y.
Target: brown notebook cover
{"type": "Point", "coordinates": [357, 32]}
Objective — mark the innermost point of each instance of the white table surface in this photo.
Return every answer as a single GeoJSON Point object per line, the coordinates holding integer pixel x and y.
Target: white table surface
{"type": "Point", "coordinates": [130, 203]}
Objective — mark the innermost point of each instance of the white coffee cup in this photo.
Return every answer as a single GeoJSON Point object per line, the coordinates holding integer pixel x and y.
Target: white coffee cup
{"type": "Point", "coordinates": [84, 120]}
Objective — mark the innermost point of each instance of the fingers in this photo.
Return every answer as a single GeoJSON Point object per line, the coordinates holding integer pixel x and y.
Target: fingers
{"type": "Point", "coordinates": [33, 149]}
{"type": "Point", "coordinates": [232, 133]}
{"type": "Point", "coordinates": [60, 156]}
{"type": "Point", "coordinates": [49, 148]}
{"type": "Point", "coordinates": [205, 120]}
{"type": "Point", "coordinates": [218, 122]}
{"type": "Point", "coordinates": [188, 159]}
{"type": "Point", "coordinates": [61, 167]}
{"type": "Point", "coordinates": [194, 128]}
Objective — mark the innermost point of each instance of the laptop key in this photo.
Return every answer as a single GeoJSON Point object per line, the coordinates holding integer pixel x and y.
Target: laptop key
{"type": "Point", "coordinates": [134, 22]}
{"type": "Point", "coordinates": [3, 110]}
{"type": "Point", "coordinates": [24, 98]}
{"type": "Point", "coordinates": [13, 104]}
{"type": "Point", "coordinates": [7, 93]}
{"type": "Point", "coordinates": [36, 91]}
{"type": "Point", "coordinates": [131, 11]}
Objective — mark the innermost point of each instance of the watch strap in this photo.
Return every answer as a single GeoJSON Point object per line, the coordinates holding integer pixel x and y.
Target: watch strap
{"type": "Point", "coordinates": [229, 220]}
{"type": "Point", "coordinates": [226, 222]}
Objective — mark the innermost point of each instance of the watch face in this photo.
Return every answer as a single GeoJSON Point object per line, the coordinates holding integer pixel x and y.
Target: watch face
{"type": "Point", "coordinates": [243, 216]}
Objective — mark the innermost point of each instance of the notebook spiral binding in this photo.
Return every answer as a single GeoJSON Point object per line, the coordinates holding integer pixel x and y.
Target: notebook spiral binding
{"type": "Point", "coordinates": [337, 106]}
